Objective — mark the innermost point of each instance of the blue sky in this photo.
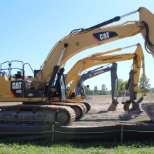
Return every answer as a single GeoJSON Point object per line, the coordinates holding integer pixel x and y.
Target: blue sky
{"type": "Point", "coordinates": [30, 28]}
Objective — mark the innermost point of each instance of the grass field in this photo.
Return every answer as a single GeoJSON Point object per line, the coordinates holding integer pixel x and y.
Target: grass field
{"type": "Point", "coordinates": [43, 147]}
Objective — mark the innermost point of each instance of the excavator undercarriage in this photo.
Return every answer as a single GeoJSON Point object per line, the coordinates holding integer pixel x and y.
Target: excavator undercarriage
{"type": "Point", "coordinates": [36, 115]}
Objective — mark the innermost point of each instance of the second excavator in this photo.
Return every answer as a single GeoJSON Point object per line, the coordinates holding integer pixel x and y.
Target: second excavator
{"type": "Point", "coordinates": [103, 58]}
{"type": "Point", "coordinates": [80, 90]}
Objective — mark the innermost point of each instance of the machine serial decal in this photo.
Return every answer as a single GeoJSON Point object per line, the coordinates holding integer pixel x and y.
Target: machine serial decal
{"type": "Point", "coordinates": [96, 73]}
{"type": "Point", "coordinates": [99, 72]}
{"type": "Point", "coordinates": [104, 35]}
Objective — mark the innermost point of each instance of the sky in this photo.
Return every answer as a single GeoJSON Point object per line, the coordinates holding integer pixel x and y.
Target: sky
{"type": "Point", "coordinates": [30, 28]}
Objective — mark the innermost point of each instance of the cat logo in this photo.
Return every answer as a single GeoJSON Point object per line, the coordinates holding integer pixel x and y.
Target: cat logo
{"type": "Point", "coordinates": [104, 35]}
{"type": "Point", "coordinates": [16, 85]}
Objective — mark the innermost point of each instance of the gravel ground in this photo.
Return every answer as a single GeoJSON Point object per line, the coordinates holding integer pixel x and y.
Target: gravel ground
{"type": "Point", "coordinates": [98, 115]}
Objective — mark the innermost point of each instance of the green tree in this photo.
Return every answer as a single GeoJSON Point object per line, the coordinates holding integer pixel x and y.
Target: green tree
{"type": "Point", "coordinates": [88, 91]}
{"type": "Point", "coordinates": [143, 84]}
{"type": "Point", "coordinates": [103, 89]}
{"type": "Point", "coordinates": [95, 89]}
{"type": "Point", "coordinates": [120, 86]}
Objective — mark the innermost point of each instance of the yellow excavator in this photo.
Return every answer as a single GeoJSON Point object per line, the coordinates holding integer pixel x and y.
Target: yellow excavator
{"type": "Point", "coordinates": [44, 95]}
{"type": "Point", "coordinates": [103, 58]}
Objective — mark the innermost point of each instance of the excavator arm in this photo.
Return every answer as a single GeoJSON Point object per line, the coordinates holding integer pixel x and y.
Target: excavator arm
{"type": "Point", "coordinates": [138, 64]}
{"type": "Point", "coordinates": [133, 81]}
{"type": "Point", "coordinates": [79, 40]}
{"type": "Point", "coordinates": [93, 73]}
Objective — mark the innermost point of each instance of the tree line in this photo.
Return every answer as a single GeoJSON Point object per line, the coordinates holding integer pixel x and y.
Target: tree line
{"type": "Point", "coordinates": [120, 87]}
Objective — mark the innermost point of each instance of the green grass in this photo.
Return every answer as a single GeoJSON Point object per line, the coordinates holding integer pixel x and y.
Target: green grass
{"type": "Point", "coordinates": [44, 147]}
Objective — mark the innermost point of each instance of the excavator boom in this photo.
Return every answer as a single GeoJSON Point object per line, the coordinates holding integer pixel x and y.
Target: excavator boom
{"type": "Point", "coordinates": [147, 18]}
{"type": "Point", "coordinates": [96, 59]}
{"type": "Point", "coordinates": [83, 39]}
{"type": "Point", "coordinates": [95, 72]}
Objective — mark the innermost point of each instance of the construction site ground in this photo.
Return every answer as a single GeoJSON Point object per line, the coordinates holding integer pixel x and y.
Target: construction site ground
{"type": "Point", "coordinates": [99, 116]}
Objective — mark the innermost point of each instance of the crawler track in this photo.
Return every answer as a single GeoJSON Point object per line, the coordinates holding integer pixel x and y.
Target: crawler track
{"type": "Point", "coordinates": [36, 115]}
{"type": "Point", "coordinates": [79, 108]}
{"type": "Point", "coordinates": [88, 106]}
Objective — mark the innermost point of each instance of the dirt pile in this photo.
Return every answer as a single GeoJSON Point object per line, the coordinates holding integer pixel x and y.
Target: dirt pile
{"type": "Point", "coordinates": [148, 105]}
{"type": "Point", "coordinates": [149, 98]}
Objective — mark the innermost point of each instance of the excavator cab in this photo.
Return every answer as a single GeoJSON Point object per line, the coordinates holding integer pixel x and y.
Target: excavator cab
{"type": "Point", "coordinates": [16, 84]}
{"type": "Point", "coordinates": [18, 75]}
{"type": "Point", "coordinates": [59, 93]}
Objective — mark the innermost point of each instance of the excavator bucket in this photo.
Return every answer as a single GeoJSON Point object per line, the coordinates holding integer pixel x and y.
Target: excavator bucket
{"type": "Point", "coordinates": [148, 20]}
{"type": "Point", "coordinates": [112, 107]}
{"type": "Point", "coordinates": [126, 105]}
